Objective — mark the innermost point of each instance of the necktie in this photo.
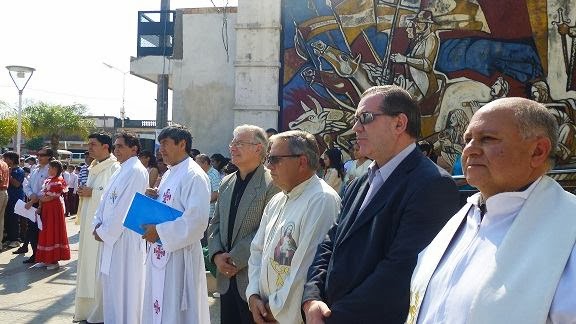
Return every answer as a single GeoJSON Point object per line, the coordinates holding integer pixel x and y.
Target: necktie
{"type": "Point", "coordinates": [375, 181]}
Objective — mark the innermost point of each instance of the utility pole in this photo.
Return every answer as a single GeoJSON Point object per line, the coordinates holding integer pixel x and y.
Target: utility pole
{"type": "Point", "coordinates": [162, 85]}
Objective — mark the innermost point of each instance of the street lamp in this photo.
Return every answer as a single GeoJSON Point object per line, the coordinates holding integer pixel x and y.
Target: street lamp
{"type": "Point", "coordinates": [23, 75]}
{"type": "Point", "coordinates": [122, 110]}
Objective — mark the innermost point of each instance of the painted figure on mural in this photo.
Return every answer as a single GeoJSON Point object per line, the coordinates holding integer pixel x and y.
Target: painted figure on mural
{"type": "Point", "coordinates": [499, 89]}
{"type": "Point", "coordinates": [421, 59]}
{"type": "Point", "coordinates": [564, 110]}
{"type": "Point", "coordinates": [450, 143]}
{"type": "Point", "coordinates": [566, 31]}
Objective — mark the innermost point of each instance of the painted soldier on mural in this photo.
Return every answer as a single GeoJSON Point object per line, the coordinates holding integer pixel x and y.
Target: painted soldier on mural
{"type": "Point", "coordinates": [453, 56]}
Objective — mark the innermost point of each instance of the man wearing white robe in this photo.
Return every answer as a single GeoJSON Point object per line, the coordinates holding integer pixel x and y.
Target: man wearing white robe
{"type": "Point", "coordinates": [294, 222]}
{"type": "Point", "coordinates": [123, 251]}
{"type": "Point", "coordinates": [175, 281]}
{"type": "Point", "coordinates": [88, 302]}
{"type": "Point", "coordinates": [509, 255]}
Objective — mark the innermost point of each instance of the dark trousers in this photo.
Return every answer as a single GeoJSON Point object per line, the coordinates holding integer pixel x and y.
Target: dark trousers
{"type": "Point", "coordinates": [12, 222]}
{"type": "Point", "coordinates": [233, 309]}
{"type": "Point", "coordinates": [31, 236]}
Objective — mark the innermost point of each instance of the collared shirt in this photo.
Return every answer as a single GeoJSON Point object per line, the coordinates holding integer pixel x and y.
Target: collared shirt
{"type": "Point", "coordinates": [384, 172]}
{"type": "Point", "coordinates": [239, 188]}
{"type": "Point", "coordinates": [34, 184]}
{"type": "Point", "coordinates": [292, 226]}
{"type": "Point", "coordinates": [455, 283]}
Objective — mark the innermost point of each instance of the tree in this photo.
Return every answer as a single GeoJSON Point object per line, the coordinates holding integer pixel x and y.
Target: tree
{"type": "Point", "coordinates": [56, 121]}
{"type": "Point", "coordinates": [35, 144]}
{"type": "Point", "coordinates": [8, 128]}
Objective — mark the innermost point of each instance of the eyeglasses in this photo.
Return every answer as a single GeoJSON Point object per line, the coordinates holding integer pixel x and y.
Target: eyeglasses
{"type": "Point", "coordinates": [240, 144]}
{"type": "Point", "coordinates": [367, 117]}
{"type": "Point", "coordinates": [274, 159]}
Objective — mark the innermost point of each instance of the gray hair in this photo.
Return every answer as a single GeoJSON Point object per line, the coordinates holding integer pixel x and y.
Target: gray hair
{"type": "Point", "coordinates": [301, 142]}
{"type": "Point", "coordinates": [258, 134]}
{"type": "Point", "coordinates": [533, 119]}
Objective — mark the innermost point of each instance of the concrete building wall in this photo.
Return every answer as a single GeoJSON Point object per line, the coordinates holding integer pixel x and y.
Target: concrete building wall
{"type": "Point", "coordinates": [257, 63]}
{"type": "Point", "coordinates": [203, 81]}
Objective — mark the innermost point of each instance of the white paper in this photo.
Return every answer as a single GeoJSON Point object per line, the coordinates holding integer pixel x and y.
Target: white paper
{"type": "Point", "coordinates": [28, 213]}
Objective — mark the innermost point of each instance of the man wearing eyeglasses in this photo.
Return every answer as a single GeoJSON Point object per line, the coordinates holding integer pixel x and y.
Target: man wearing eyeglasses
{"type": "Point", "coordinates": [243, 195]}
{"type": "Point", "coordinates": [33, 189]}
{"type": "Point", "coordinates": [361, 272]}
{"type": "Point", "coordinates": [295, 221]}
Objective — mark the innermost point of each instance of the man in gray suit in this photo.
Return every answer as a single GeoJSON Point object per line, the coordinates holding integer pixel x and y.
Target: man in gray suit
{"type": "Point", "coordinates": [243, 196]}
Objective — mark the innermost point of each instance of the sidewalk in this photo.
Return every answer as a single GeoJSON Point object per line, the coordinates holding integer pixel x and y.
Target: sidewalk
{"type": "Point", "coordinates": [46, 296]}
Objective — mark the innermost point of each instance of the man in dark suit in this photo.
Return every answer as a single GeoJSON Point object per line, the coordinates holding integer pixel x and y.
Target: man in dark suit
{"type": "Point", "coordinates": [242, 198]}
{"type": "Point", "coordinates": [361, 272]}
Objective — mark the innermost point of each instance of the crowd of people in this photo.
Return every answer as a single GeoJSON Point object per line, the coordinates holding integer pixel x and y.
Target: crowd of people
{"type": "Point", "coordinates": [296, 235]}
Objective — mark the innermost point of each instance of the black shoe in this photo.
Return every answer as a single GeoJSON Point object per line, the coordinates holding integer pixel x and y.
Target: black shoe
{"type": "Point", "coordinates": [21, 250]}
{"type": "Point", "coordinates": [32, 259]}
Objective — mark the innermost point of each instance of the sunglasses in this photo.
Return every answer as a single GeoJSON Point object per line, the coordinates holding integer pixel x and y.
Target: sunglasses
{"type": "Point", "coordinates": [43, 154]}
{"type": "Point", "coordinates": [274, 159]}
{"type": "Point", "coordinates": [366, 117]}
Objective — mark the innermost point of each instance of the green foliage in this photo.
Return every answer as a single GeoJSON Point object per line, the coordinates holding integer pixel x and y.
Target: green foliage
{"type": "Point", "coordinates": [55, 121]}
{"type": "Point", "coordinates": [35, 144]}
{"type": "Point", "coordinates": [8, 128]}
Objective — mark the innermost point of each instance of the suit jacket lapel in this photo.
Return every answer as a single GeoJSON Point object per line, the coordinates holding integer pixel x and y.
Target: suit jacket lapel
{"type": "Point", "coordinates": [225, 199]}
{"type": "Point", "coordinates": [359, 195]}
{"type": "Point", "coordinates": [250, 193]}
{"type": "Point", "coordinates": [380, 199]}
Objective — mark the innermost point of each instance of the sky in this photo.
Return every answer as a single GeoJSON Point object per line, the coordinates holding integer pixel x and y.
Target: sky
{"type": "Point", "coordinates": [68, 42]}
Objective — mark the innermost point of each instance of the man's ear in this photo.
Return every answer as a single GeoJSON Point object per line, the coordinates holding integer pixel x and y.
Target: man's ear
{"type": "Point", "coordinates": [541, 151]}
{"type": "Point", "coordinates": [401, 122]}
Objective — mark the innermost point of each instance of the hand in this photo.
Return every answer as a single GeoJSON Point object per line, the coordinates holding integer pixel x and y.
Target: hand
{"type": "Point", "coordinates": [398, 58]}
{"type": "Point", "coordinates": [151, 192]}
{"type": "Point", "coordinates": [150, 234]}
{"type": "Point", "coordinates": [260, 311]}
{"type": "Point", "coordinates": [316, 311]}
{"type": "Point", "coordinates": [28, 205]}
{"type": "Point", "coordinates": [96, 236]}
{"type": "Point", "coordinates": [85, 192]}
{"type": "Point", "coordinates": [225, 265]}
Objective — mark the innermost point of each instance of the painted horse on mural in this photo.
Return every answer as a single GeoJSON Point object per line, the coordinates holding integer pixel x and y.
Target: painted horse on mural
{"type": "Point", "coordinates": [452, 56]}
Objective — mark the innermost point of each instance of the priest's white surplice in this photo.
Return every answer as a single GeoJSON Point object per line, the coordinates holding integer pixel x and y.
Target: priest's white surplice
{"type": "Point", "coordinates": [123, 251]}
{"type": "Point", "coordinates": [517, 264]}
{"type": "Point", "coordinates": [175, 284]}
{"type": "Point", "coordinates": [88, 302]}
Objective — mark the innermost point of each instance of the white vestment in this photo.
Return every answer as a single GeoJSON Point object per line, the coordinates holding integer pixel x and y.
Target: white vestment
{"type": "Point", "coordinates": [123, 250]}
{"type": "Point", "coordinates": [88, 303]}
{"type": "Point", "coordinates": [183, 295]}
{"type": "Point", "coordinates": [292, 226]}
{"type": "Point", "coordinates": [517, 264]}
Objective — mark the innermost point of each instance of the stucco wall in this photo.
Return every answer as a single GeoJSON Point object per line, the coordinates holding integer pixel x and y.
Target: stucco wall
{"type": "Point", "coordinates": [203, 81]}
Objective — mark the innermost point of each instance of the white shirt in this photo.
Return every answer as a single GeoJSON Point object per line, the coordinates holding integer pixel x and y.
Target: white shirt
{"type": "Point", "coordinates": [34, 184]}
{"type": "Point", "coordinates": [455, 282]}
{"type": "Point", "coordinates": [292, 226]}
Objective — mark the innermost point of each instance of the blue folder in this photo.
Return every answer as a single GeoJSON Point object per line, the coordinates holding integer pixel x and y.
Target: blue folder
{"type": "Point", "coordinates": [145, 210]}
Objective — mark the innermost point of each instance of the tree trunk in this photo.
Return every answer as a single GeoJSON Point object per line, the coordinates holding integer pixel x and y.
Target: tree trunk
{"type": "Point", "coordinates": [54, 143]}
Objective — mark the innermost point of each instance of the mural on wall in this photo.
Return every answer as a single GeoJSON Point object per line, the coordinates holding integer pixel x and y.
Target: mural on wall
{"type": "Point", "coordinates": [452, 56]}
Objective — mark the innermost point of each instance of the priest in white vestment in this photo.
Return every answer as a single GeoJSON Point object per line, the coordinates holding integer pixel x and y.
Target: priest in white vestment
{"type": "Point", "coordinates": [509, 255]}
{"type": "Point", "coordinates": [122, 258]}
{"type": "Point", "coordinates": [294, 222]}
{"type": "Point", "coordinates": [88, 302]}
{"type": "Point", "coordinates": [175, 281]}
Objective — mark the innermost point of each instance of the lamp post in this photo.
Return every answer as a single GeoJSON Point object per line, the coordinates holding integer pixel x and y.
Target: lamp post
{"type": "Point", "coordinates": [122, 110]}
{"type": "Point", "coordinates": [23, 75]}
